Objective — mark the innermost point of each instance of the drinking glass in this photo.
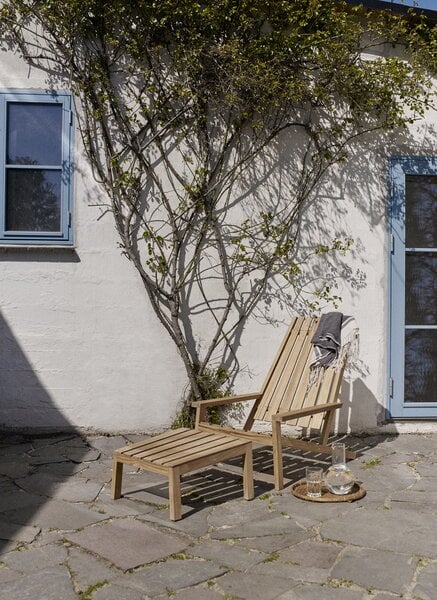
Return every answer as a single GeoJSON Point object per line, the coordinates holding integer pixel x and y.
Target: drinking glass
{"type": "Point", "coordinates": [314, 476]}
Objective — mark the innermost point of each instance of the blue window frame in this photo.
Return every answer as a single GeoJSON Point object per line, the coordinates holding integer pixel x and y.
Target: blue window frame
{"type": "Point", "coordinates": [35, 168]}
{"type": "Point", "coordinates": [413, 287]}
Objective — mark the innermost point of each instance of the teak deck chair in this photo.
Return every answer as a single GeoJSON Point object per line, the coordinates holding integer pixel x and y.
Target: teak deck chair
{"type": "Point", "coordinates": [286, 397]}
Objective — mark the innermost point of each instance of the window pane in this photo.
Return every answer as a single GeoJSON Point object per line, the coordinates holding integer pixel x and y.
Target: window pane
{"type": "Point", "coordinates": [421, 217]}
{"type": "Point", "coordinates": [34, 134]}
{"type": "Point", "coordinates": [421, 365]}
{"type": "Point", "coordinates": [421, 289]}
{"type": "Point", "coordinates": [33, 200]}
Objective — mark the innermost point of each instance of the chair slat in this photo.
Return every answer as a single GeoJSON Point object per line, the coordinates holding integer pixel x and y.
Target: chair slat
{"type": "Point", "coordinates": [290, 372]}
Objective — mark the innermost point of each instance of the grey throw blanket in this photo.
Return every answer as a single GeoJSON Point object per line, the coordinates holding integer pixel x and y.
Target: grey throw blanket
{"type": "Point", "coordinates": [327, 339]}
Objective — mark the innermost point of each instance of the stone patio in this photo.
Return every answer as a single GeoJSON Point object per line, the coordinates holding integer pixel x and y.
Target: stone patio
{"type": "Point", "coordinates": [62, 537]}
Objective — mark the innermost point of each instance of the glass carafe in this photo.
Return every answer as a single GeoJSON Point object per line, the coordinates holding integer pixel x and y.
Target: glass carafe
{"type": "Point", "coordinates": [339, 479]}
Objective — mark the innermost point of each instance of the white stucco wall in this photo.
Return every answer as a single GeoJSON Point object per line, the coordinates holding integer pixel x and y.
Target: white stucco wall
{"type": "Point", "coordinates": [81, 347]}
{"type": "Point", "coordinates": [79, 343]}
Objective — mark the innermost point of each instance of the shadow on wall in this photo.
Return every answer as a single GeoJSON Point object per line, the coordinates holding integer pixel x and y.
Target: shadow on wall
{"type": "Point", "coordinates": [34, 467]}
{"type": "Point", "coordinates": [23, 398]}
{"type": "Point", "coordinates": [361, 410]}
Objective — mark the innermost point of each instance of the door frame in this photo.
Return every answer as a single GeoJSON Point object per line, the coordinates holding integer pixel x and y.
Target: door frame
{"type": "Point", "coordinates": [399, 167]}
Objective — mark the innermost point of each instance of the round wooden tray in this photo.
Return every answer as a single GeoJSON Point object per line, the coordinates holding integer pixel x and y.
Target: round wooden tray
{"type": "Point", "coordinates": [299, 489]}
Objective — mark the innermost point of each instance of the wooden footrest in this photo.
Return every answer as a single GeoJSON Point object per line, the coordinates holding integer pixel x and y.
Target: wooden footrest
{"type": "Point", "coordinates": [180, 451]}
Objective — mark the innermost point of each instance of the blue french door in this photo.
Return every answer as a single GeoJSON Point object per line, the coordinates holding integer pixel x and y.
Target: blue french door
{"type": "Point", "coordinates": [413, 288]}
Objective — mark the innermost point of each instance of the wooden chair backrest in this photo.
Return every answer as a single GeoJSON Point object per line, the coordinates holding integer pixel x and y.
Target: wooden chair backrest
{"type": "Point", "coordinates": [286, 385]}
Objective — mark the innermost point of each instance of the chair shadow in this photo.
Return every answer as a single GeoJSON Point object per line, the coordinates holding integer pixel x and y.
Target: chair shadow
{"type": "Point", "coordinates": [295, 460]}
{"type": "Point", "coordinates": [217, 485]}
{"type": "Point", "coordinates": [211, 486]}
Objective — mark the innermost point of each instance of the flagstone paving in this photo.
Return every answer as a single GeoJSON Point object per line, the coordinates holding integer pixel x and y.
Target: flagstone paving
{"type": "Point", "coordinates": [62, 537]}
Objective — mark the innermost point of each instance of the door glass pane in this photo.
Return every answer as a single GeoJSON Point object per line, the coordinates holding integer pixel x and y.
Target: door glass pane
{"type": "Point", "coordinates": [420, 365]}
{"type": "Point", "coordinates": [34, 134]}
{"type": "Point", "coordinates": [421, 211]}
{"type": "Point", "coordinates": [421, 288]}
{"type": "Point", "coordinates": [33, 200]}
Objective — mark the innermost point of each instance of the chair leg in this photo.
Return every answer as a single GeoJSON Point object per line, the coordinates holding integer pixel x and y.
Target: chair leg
{"type": "Point", "coordinates": [326, 427]}
{"type": "Point", "coordinates": [248, 473]}
{"type": "Point", "coordinates": [174, 493]}
{"type": "Point", "coordinates": [201, 416]}
{"type": "Point", "coordinates": [278, 469]}
{"type": "Point", "coordinates": [326, 430]}
{"type": "Point", "coordinates": [117, 477]}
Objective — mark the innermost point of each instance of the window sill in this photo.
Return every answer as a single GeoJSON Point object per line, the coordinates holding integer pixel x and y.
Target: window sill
{"type": "Point", "coordinates": [38, 247]}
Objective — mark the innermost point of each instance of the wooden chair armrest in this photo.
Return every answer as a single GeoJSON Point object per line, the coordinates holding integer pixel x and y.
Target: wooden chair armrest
{"type": "Point", "coordinates": [303, 412]}
{"type": "Point", "coordinates": [229, 400]}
